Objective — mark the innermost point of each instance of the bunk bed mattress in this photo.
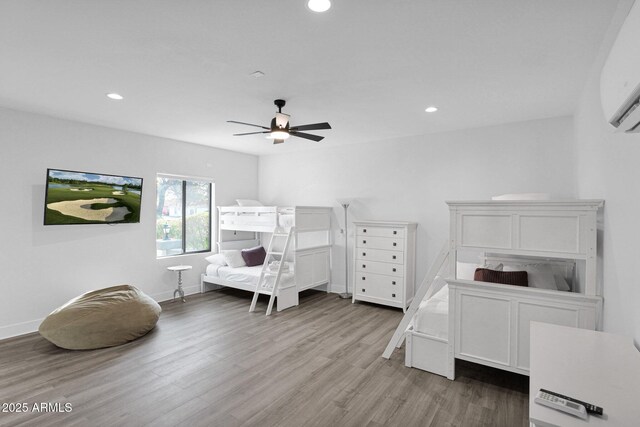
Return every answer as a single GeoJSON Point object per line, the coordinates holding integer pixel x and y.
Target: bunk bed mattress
{"type": "Point", "coordinates": [245, 275]}
{"type": "Point", "coordinates": [284, 219]}
{"type": "Point", "coordinates": [432, 318]}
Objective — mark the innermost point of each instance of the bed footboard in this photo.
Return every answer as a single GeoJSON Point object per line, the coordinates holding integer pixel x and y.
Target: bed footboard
{"type": "Point", "coordinates": [490, 322]}
{"type": "Point", "coordinates": [428, 353]}
{"type": "Point", "coordinates": [312, 267]}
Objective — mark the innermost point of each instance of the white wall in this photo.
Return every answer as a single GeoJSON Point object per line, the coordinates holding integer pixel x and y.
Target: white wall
{"type": "Point", "coordinates": [607, 168]}
{"type": "Point", "coordinates": [409, 179]}
{"type": "Point", "coordinates": [43, 267]}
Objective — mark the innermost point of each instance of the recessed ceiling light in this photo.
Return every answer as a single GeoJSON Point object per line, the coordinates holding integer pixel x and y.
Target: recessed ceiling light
{"type": "Point", "coordinates": [257, 74]}
{"type": "Point", "coordinates": [431, 109]}
{"type": "Point", "coordinates": [115, 96]}
{"type": "Point", "coordinates": [319, 5]}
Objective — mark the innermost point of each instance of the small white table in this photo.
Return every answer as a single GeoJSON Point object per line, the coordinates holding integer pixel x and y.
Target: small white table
{"type": "Point", "coordinates": [179, 269]}
{"type": "Point", "coordinates": [595, 367]}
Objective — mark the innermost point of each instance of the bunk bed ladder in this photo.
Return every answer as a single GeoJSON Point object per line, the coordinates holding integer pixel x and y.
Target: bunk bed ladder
{"type": "Point", "coordinates": [262, 286]}
{"type": "Point", "coordinates": [423, 290]}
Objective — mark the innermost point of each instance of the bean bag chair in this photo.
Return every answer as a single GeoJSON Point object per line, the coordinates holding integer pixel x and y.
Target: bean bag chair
{"type": "Point", "coordinates": [102, 318]}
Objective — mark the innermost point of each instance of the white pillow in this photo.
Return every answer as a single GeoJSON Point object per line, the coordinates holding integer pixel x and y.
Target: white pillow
{"type": "Point", "coordinates": [248, 203]}
{"type": "Point", "coordinates": [496, 267]}
{"type": "Point", "coordinates": [466, 270]}
{"type": "Point", "coordinates": [561, 283]}
{"type": "Point", "coordinates": [216, 259]}
{"type": "Point", "coordinates": [233, 258]}
{"type": "Point", "coordinates": [538, 275]}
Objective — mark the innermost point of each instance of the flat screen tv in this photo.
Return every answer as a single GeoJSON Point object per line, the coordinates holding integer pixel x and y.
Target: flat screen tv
{"type": "Point", "coordinates": [74, 197]}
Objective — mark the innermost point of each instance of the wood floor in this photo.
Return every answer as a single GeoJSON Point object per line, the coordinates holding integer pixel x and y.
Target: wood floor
{"type": "Point", "coordinates": [211, 363]}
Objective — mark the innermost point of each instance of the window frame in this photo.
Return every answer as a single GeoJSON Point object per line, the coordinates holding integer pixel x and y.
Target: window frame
{"type": "Point", "coordinates": [184, 180]}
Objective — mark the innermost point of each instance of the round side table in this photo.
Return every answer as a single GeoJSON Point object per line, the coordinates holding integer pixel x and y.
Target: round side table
{"type": "Point", "coordinates": [179, 269]}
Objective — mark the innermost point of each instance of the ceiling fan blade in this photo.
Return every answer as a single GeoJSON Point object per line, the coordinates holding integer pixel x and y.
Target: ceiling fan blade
{"type": "Point", "coordinates": [248, 124]}
{"type": "Point", "coordinates": [315, 138]}
{"type": "Point", "coordinates": [249, 133]}
{"type": "Point", "coordinates": [278, 141]}
{"type": "Point", "coordinates": [315, 126]}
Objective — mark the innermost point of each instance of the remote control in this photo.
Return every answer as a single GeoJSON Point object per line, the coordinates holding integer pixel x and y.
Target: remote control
{"type": "Point", "coordinates": [560, 404]}
{"type": "Point", "coordinates": [591, 409]}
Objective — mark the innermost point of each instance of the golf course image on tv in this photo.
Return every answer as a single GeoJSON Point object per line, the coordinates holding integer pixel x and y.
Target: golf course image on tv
{"type": "Point", "coordinates": [74, 197]}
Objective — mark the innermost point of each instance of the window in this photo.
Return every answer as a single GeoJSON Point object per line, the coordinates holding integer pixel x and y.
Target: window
{"type": "Point", "coordinates": [183, 215]}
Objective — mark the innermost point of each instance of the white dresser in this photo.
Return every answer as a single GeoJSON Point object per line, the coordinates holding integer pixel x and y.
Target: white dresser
{"type": "Point", "coordinates": [384, 262]}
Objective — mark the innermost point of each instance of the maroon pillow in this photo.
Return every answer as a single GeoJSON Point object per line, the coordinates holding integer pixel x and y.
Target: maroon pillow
{"type": "Point", "coordinates": [254, 256]}
{"type": "Point", "coordinates": [517, 278]}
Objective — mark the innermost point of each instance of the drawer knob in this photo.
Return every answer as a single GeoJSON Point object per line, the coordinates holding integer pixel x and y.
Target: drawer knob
{"type": "Point", "coordinates": [364, 254]}
{"type": "Point", "coordinates": [364, 230]}
{"type": "Point", "coordinates": [393, 282]}
{"type": "Point", "coordinates": [393, 269]}
{"type": "Point", "coordinates": [364, 278]}
{"type": "Point", "coordinates": [364, 242]}
{"type": "Point", "coordinates": [393, 257]}
{"type": "Point", "coordinates": [363, 290]}
{"type": "Point", "coordinates": [364, 265]}
{"type": "Point", "coordinates": [395, 232]}
{"type": "Point", "coordinates": [393, 295]}
{"type": "Point", "coordinates": [395, 244]}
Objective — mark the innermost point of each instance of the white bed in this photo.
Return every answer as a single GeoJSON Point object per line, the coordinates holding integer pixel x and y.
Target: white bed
{"type": "Point", "coordinates": [244, 276]}
{"type": "Point", "coordinates": [488, 323]}
{"type": "Point", "coordinates": [432, 317]}
{"type": "Point", "coordinates": [310, 253]}
{"type": "Point", "coordinates": [264, 219]}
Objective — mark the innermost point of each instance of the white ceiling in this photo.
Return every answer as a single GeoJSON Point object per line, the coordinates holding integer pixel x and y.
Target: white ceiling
{"type": "Point", "coordinates": [369, 67]}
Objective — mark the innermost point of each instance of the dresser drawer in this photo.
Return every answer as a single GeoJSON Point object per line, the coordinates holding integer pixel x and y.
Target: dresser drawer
{"type": "Point", "coordinates": [388, 243]}
{"type": "Point", "coordinates": [362, 230]}
{"type": "Point", "coordinates": [379, 268]}
{"type": "Point", "coordinates": [395, 257]}
{"type": "Point", "coordinates": [368, 286]}
{"type": "Point", "coordinates": [378, 280]}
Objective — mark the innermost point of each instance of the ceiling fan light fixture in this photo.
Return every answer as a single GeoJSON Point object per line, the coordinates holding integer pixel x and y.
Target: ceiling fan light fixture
{"type": "Point", "coordinates": [319, 5]}
{"type": "Point", "coordinates": [278, 134]}
{"type": "Point", "coordinates": [280, 130]}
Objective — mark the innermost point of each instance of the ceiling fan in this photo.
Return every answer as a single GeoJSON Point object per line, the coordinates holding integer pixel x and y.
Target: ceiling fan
{"type": "Point", "coordinates": [280, 129]}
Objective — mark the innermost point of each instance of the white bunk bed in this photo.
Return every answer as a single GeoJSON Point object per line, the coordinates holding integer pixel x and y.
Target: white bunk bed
{"type": "Point", "coordinates": [309, 263]}
{"type": "Point", "coordinates": [488, 323]}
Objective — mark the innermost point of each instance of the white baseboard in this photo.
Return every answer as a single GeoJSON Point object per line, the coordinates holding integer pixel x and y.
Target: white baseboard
{"type": "Point", "coordinates": [16, 329]}
{"type": "Point", "coordinates": [211, 287]}
{"type": "Point", "coordinates": [322, 287]}
{"type": "Point", "coordinates": [338, 288]}
{"type": "Point", "coordinates": [168, 295]}
{"type": "Point", "coordinates": [22, 328]}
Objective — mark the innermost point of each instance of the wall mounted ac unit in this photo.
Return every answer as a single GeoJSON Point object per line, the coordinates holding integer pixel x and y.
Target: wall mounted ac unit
{"type": "Point", "coordinates": [620, 78]}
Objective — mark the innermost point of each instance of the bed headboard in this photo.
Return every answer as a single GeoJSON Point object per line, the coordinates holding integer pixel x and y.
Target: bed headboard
{"type": "Point", "coordinates": [238, 244]}
{"type": "Point", "coordinates": [547, 229]}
